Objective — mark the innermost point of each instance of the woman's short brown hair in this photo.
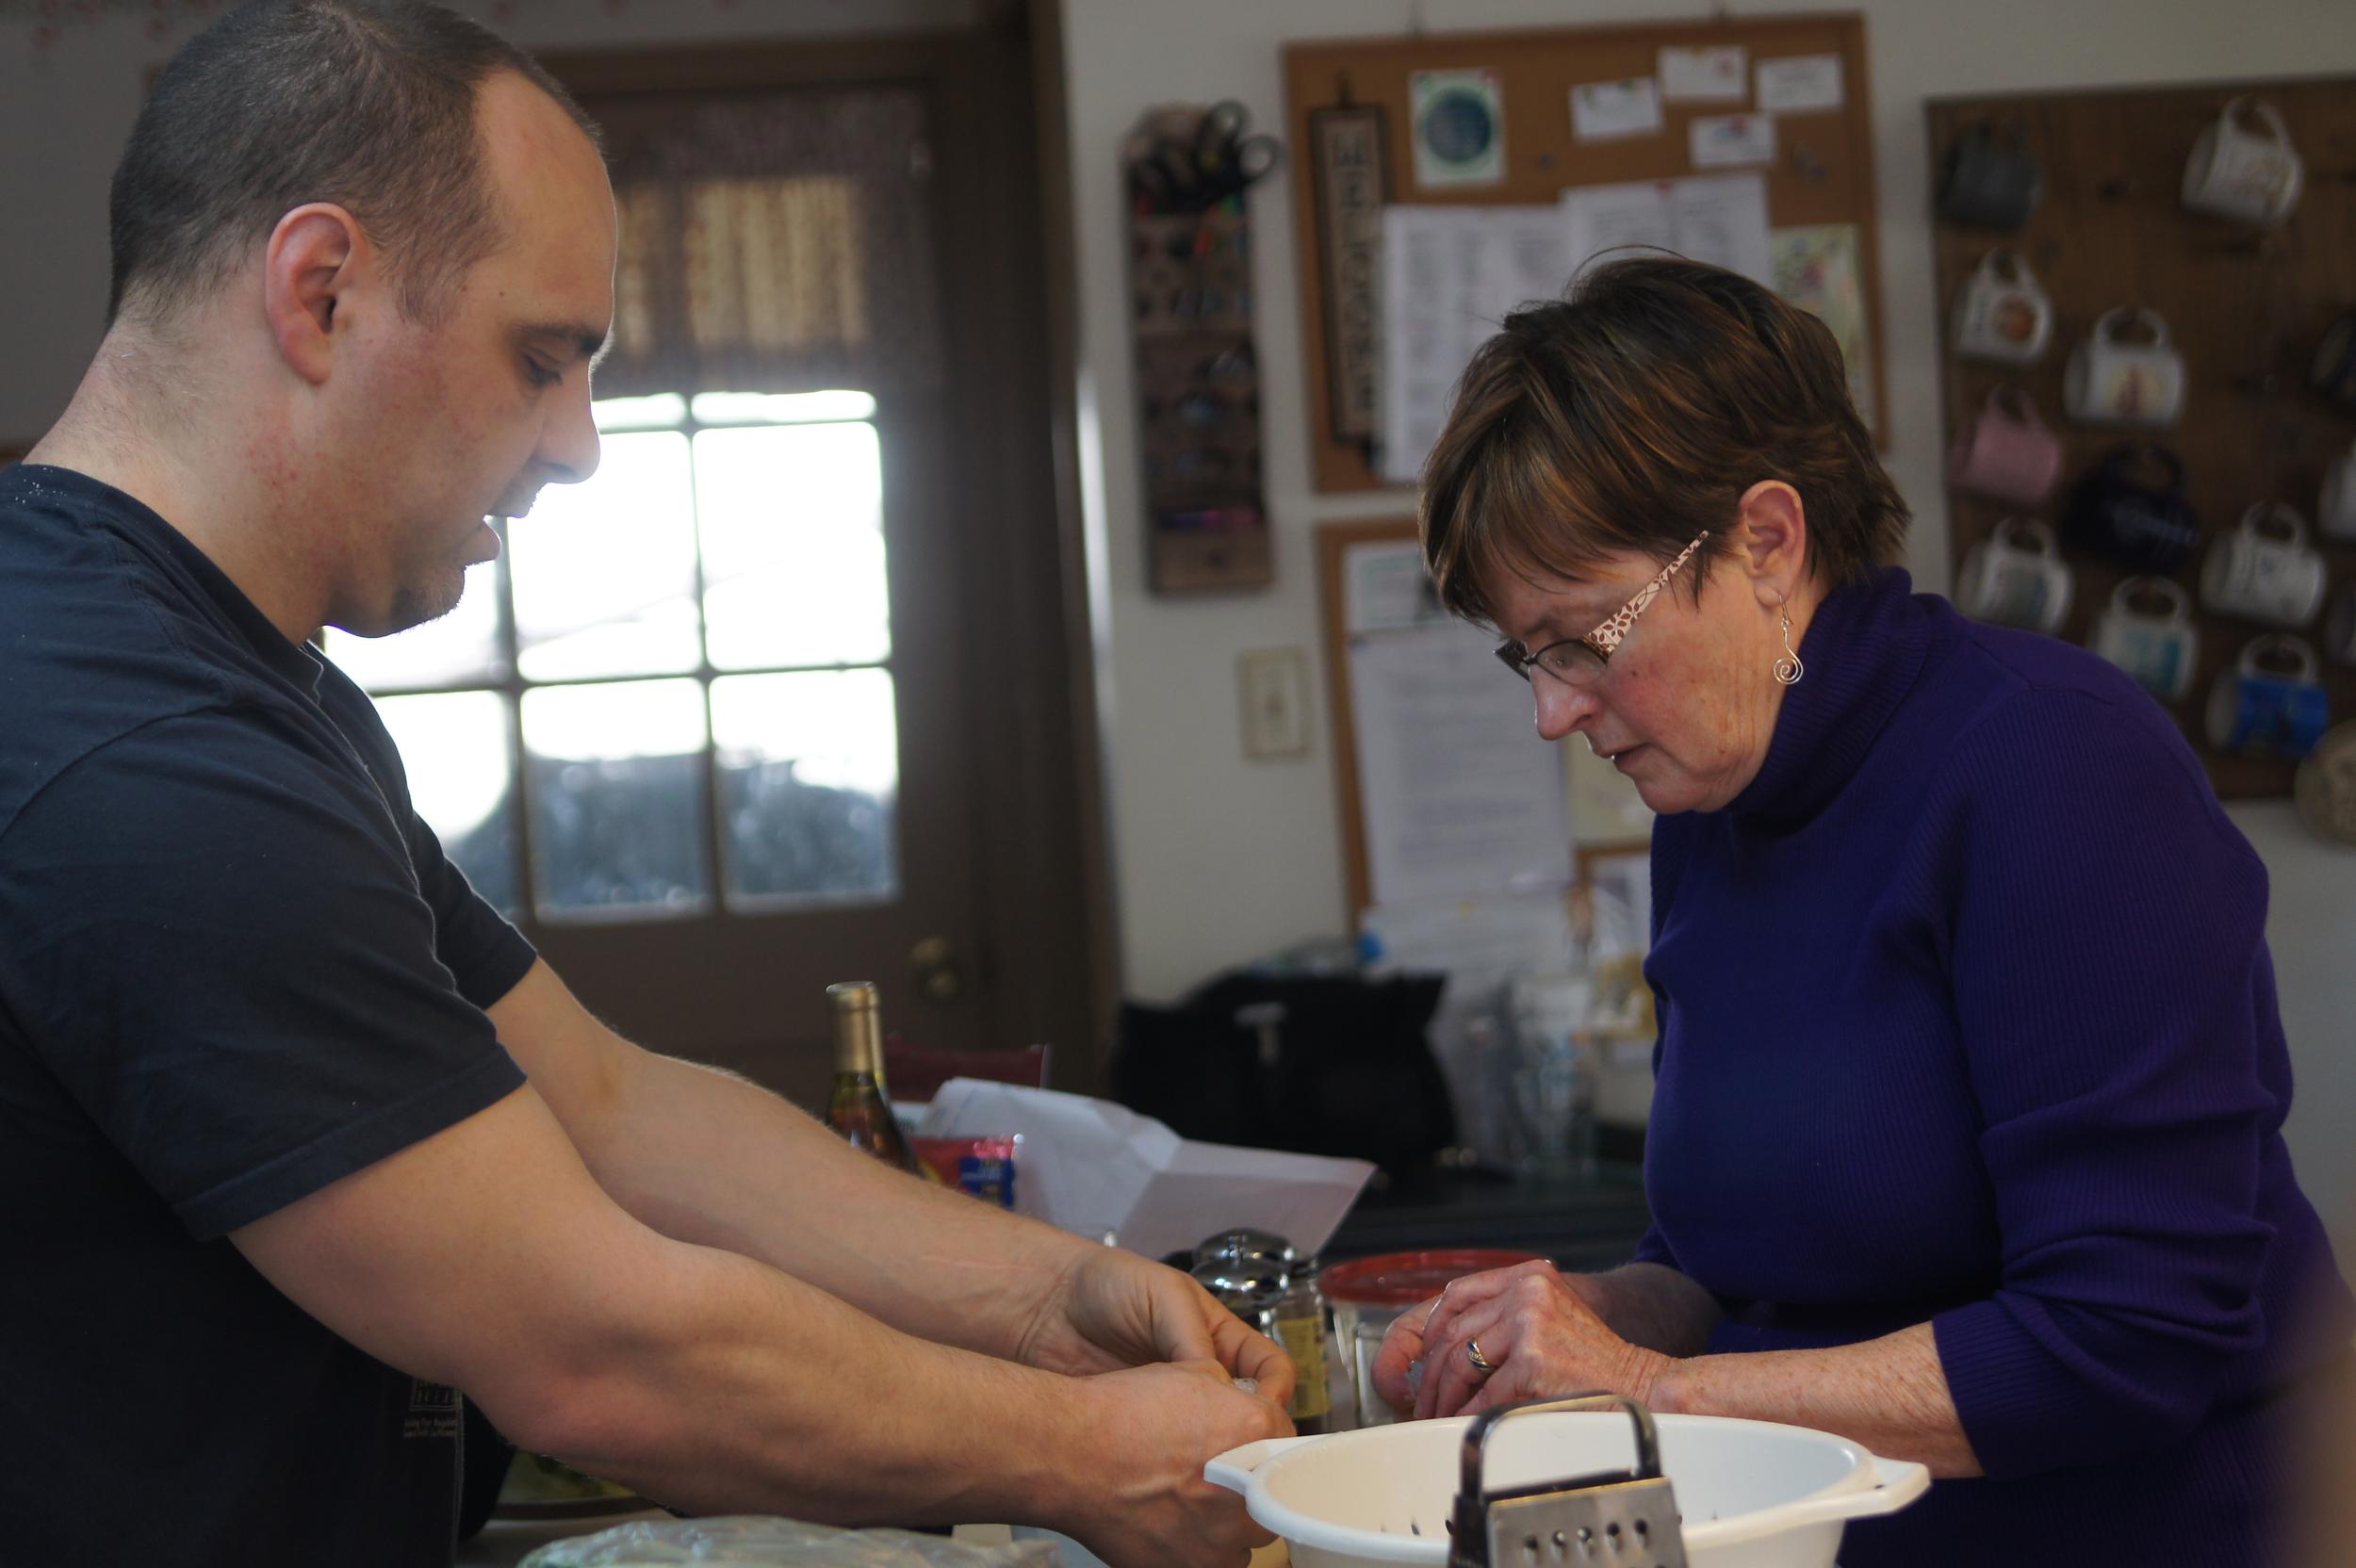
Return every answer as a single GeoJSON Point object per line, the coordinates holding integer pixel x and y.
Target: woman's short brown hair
{"type": "Point", "coordinates": [1634, 414]}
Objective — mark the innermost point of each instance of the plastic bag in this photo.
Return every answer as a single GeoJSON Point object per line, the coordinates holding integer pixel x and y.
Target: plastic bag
{"type": "Point", "coordinates": [760, 1540]}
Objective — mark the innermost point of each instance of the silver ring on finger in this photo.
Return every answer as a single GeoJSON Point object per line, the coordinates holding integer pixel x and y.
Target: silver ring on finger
{"type": "Point", "coordinates": [1480, 1363]}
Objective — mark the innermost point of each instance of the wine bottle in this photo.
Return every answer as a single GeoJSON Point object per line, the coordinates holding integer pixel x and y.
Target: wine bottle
{"type": "Point", "coordinates": [858, 1108]}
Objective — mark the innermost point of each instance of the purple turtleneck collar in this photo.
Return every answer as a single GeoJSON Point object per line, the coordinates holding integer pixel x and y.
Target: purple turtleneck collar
{"type": "Point", "coordinates": [1862, 652]}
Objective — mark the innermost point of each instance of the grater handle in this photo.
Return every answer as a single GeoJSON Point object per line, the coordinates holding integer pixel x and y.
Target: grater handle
{"type": "Point", "coordinates": [1476, 1436]}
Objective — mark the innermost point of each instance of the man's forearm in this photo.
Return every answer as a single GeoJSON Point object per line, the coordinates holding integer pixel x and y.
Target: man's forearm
{"type": "Point", "coordinates": [759, 1393]}
{"type": "Point", "coordinates": [703, 1156]}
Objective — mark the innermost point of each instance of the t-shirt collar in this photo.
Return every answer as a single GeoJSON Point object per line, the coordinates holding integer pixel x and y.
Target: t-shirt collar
{"type": "Point", "coordinates": [297, 661]}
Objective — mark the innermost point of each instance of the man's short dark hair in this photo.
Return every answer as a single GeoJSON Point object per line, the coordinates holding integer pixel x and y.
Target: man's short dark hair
{"type": "Point", "coordinates": [366, 103]}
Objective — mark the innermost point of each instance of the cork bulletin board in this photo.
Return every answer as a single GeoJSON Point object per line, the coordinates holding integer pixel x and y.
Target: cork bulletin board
{"type": "Point", "coordinates": [2245, 305]}
{"type": "Point", "coordinates": [1822, 172]}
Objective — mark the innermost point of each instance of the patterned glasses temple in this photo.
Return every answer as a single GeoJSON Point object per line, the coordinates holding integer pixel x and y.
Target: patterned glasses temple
{"type": "Point", "coordinates": [1606, 637]}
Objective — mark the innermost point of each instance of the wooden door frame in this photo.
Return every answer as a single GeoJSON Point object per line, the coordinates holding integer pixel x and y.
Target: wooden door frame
{"type": "Point", "coordinates": [1041, 887]}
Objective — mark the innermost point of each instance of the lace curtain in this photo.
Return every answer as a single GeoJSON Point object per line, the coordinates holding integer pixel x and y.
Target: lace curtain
{"type": "Point", "coordinates": [777, 241]}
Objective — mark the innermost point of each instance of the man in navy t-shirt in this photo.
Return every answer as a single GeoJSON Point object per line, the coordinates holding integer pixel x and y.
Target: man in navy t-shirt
{"type": "Point", "coordinates": [297, 1136]}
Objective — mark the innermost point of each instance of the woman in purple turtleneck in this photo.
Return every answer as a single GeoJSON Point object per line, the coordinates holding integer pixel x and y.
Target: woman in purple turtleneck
{"type": "Point", "coordinates": [1967, 1137]}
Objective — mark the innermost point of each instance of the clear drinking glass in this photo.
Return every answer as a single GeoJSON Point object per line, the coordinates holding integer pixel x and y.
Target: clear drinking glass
{"type": "Point", "coordinates": [1367, 1337]}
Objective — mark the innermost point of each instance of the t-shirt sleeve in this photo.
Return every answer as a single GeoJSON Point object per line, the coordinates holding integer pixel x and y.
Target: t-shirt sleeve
{"type": "Point", "coordinates": [2109, 963]}
{"type": "Point", "coordinates": [215, 937]}
{"type": "Point", "coordinates": [485, 955]}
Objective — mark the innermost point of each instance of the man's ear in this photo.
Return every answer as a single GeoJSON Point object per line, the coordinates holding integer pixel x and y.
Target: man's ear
{"type": "Point", "coordinates": [1771, 540]}
{"type": "Point", "coordinates": [311, 262]}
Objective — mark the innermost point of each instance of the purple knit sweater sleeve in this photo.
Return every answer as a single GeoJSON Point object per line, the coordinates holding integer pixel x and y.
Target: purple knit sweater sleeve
{"type": "Point", "coordinates": [2107, 923]}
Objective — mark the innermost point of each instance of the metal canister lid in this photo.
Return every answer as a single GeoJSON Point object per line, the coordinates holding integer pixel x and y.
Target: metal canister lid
{"type": "Point", "coordinates": [1245, 1242]}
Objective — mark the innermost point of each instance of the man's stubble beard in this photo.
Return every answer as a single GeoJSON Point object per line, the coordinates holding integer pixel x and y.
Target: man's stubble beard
{"type": "Point", "coordinates": [417, 601]}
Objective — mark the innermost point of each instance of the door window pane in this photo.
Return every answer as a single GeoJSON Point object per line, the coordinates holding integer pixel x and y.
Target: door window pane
{"type": "Point", "coordinates": [461, 647]}
{"type": "Point", "coordinates": [792, 521]}
{"type": "Point", "coordinates": [618, 798]}
{"type": "Point", "coordinates": [780, 408]}
{"type": "Point", "coordinates": [458, 751]}
{"type": "Point", "coordinates": [661, 411]}
{"type": "Point", "coordinates": [808, 786]}
{"type": "Point", "coordinates": [604, 572]}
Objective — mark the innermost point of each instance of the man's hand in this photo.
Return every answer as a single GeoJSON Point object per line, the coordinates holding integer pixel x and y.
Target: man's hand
{"type": "Point", "coordinates": [1540, 1330]}
{"type": "Point", "coordinates": [1145, 1503]}
{"type": "Point", "coordinates": [1113, 1309]}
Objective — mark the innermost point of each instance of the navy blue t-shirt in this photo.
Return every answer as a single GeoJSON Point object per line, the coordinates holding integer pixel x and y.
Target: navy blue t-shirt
{"type": "Point", "coordinates": [235, 967]}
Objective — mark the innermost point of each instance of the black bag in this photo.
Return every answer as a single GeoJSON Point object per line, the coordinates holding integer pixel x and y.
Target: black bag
{"type": "Point", "coordinates": [1317, 1066]}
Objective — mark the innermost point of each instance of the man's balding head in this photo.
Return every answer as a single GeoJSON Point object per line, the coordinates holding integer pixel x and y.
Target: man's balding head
{"type": "Point", "coordinates": [368, 104]}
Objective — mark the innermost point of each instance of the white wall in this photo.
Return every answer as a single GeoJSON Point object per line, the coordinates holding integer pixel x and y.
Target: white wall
{"type": "Point", "coordinates": [1218, 859]}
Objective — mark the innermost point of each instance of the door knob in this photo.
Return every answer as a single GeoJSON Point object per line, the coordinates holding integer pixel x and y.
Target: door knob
{"type": "Point", "coordinates": [933, 965]}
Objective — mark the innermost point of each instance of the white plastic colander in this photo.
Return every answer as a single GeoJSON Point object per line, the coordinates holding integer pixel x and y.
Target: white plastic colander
{"type": "Point", "coordinates": [1752, 1493]}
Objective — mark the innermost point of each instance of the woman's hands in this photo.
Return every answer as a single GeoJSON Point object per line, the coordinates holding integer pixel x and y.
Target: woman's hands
{"type": "Point", "coordinates": [1540, 1331]}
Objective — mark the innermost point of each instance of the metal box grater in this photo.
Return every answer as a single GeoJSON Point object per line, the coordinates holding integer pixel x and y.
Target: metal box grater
{"type": "Point", "coordinates": [1611, 1519]}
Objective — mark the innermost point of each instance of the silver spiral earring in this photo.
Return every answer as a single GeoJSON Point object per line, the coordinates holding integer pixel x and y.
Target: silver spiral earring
{"type": "Point", "coordinates": [1788, 669]}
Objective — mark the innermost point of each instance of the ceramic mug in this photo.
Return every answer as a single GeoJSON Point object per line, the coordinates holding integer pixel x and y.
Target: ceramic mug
{"type": "Point", "coordinates": [2147, 630]}
{"type": "Point", "coordinates": [1989, 180]}
{"type": "Point", "coordinates": [2130, 507]}
{"type": "Point", "coordinates": [2003, 315]}
{"type": "Point", "coordinates": [2264, 570]}
{"type": "Point", "coordinates": [2270, 704]}
{"type": "Point", "coordinates": [2335, 509]}
{"type": "Point", "coordinates": [2008, 454]}
{"type": "Point", "coordinates": [2333, 372]}
{"type": "Point", "coordinates": [2015, 577]}
{"type": "Point", "coordinates": [2113, 381]}
{"type": "Point", "coordinates": [2250, 175]}
{"type": "Point", "coordinates": [2325, 785]}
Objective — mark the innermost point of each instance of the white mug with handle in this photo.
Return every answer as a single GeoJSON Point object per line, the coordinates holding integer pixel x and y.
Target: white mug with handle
{"type": "Point", "coordinates": [2003, 316]}
{"type": "Point", "coordinates": [2015, 577]}
{"type": "Point", "coordinates": [2115, 381]}
{"type": "Point", "coordinates": [2251, 177]}
{"type": "Point", "coordinates": [2264, 570]}
{"type": "Point", "coordinates": [2147, 631]}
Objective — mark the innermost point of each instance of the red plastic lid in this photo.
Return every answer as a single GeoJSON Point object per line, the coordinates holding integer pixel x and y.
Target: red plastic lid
{"type": "Point", "coordinates": [1404, 1279]}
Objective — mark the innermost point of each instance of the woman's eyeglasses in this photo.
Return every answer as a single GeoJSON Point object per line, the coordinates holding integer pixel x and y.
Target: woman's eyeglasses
{"type": "Point", "coordinates": [1581, 660]}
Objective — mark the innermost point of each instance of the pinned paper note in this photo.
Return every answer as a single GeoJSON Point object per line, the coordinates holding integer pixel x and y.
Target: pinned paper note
{"type": "Point", "coordinates": [1608, 111]}
{"type": "Point", "coordinates": [1801, 84]}
{"type": "Point", "coordinates": [1732, 140]}
{"type": "Point", "coordinates": [1817, 268]}
{"type": "Point", "coordinates": [1713, 75]}
{"type": "Point", "coordinates": [1450, 274]}
{"type": "Point", "coordinates": [1720, 218]}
